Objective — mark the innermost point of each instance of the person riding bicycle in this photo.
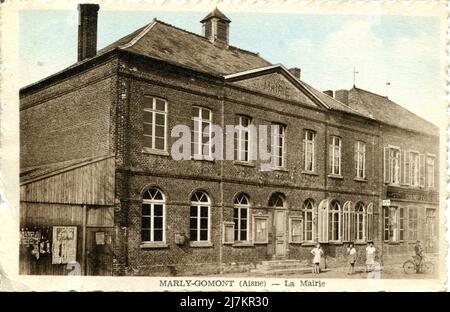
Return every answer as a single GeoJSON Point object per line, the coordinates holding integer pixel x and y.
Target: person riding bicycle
{"type": "Point", "coordinates": [419, 255]}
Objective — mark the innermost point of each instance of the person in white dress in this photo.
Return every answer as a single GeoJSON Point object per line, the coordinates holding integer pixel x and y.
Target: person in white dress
{"type": "Point", "coordinates": [318, 253]}
{"type": "Point", "coordinates": [370, 257]}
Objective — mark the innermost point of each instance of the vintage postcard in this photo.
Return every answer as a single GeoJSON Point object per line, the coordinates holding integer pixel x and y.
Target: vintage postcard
{"type": "Point", "coordinates": [223, 145]}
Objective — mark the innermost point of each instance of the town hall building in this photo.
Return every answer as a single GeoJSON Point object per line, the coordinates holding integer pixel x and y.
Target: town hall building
{"type": "Point", "coordinates": [101, 190]}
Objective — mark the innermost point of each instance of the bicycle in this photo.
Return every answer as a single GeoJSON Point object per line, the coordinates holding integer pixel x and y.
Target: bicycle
{"type": "Point", "coordinates": [413, 266]}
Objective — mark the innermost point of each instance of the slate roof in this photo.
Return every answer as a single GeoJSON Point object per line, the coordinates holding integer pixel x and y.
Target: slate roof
{"type": "Point", "coordinates": [215, 13]}
{"type": "Point", "coordinates": [389, 112]}
{"type": "Point", "coordinates": [168, 43]}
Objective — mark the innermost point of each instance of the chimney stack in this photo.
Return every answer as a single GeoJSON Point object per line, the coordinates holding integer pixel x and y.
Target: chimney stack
{"type": "Point", "coordinates": [87, 30]}
{"type": "Point", "coordinates": [296, 72]}
{"type": "Point", "coordinates": [342, 96]}
{"type": "Point", "coordinates": [329, 93]}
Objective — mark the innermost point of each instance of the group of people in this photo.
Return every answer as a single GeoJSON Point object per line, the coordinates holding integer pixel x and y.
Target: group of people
{"type": "Point", "coordinates": [351, 255]}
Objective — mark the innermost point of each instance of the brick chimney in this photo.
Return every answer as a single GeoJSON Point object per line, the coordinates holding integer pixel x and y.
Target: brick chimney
{"type": "Point", "coordinates": [296, 72]}
{"type": "Point", "coordinates": [341, 96]}
{"type": "Point", "coordinates": [87, 30]}
{"type": "Point", "coordinates": [329, 93]}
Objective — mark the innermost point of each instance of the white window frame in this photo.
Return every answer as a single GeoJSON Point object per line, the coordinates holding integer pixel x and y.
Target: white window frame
{"type": "Point", "coordinates": [394, 171]}
{"type": "Point", "coordinates": [200, 204]}
{"type": "Point", "coordinates": [198, 135]}
{"type": "Point", "coordinates": [348, 222]}
{"type": "Point", "coordinates": [309, 149]}
{"type": "Point", "coordinates": [241, 132]}
{"type": "Point", "coordinates": [333, 214]}
{"type": "Point", "coordinates": [152, 202]}
{"type": "Point", "coordinates": [306, 220]}
{"type": "Point", "coordinates": [275, 145]}
{"type": "Point", "coordinates": [413, 224]}
{"type": "Point", "coordinates": [360, 159]}
{"type": "Point", "coordinates": [336, 152]}
{"type": "Point", "coordinates": [427, 173]}
{"type": "Point", "coordinates": [369, 222]}
{"type": "Point", "coordinates": [396, 218]}
{"type": "Point", "coordinates": [155, 111]}
{"type": "Point", "coordinates": [240, 206]}
{"type": "Point", "coordinates": [414, 165]}
{"type": "Point", "coordinates": [296, 219]}
{"type": "Point", "coordinates": [360, 221]}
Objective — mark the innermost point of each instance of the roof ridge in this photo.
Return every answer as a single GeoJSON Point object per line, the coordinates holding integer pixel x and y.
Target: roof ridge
{"type": "Point", "coordinates": [132, 41]}
{"type": "Point", "coordinates": [394, 103]}
{"type": "Point", "coordinates": [203, 37]}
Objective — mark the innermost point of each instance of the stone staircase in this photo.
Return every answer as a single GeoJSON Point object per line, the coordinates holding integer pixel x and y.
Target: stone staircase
{"type": "Point", "coordinates": [281, 267]}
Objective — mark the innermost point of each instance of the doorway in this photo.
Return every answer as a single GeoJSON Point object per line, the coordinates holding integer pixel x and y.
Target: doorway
{"type": "Point", "coordinates": [99, 251]}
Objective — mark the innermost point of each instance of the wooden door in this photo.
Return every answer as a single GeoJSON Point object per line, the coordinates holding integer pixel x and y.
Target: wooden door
{"type": "Point", "coordinates": [280, 235]}
{"type": "Point", "coordinates": [99, 251]}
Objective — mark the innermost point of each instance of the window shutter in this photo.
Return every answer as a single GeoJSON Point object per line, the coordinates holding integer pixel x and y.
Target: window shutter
{"type": "Point", "coordinates": [402, 167]}
{"type": "Point", "coordinates": [386, 165]}
{"type": "Point", "coordinates": [406, 169]}
{"type": "Point", "coordinates": [422, 170]}
{"type": "Point", "coordinates": [356, 158]}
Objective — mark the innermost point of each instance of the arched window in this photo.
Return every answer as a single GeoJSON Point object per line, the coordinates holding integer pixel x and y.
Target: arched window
{"type": "Point", "coordinates": [153, 216]}
{"type": "Point", "coordinates": [348, 222]}
{"type": "Point", "coordinates": [334, 221]}
{"type": "Point", "coordinates": [276, 200]}
{"type": "Point", "coordinates": [369, 222]}
{"type": "Point", "coordinates": [200, 217]}
{"type": "Point", "coordinates": [240, 217]}
{"type": "Point", "coordinates": [308, 211]}
{"type": "Point", "coordinates": [360, 222]}
{"type": "Point", "coordinates": [322, 230]}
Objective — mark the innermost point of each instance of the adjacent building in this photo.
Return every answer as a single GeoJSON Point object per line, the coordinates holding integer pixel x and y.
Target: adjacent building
{"type": "Point", "coordinates": [102, 192]}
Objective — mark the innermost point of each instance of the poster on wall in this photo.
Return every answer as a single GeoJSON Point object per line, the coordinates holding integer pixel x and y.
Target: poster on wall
{"type": "Point", "coordinates": [64, 244]}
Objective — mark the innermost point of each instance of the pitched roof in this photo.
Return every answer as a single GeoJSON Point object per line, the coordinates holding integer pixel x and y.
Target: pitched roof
{"type": "Point", "coordinates": [334, 104]}
{"type": "Point", "coordinates": [389, 112]}
{"type": "Point", "coordinates": [29, 174]}
{"type": "Point", "coordinates": [168, 43]}
{"type": "Point", "coordinates": [215, 13]}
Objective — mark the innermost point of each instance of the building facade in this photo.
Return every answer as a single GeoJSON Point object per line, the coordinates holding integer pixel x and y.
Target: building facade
{"type": "Point", "coordinates": [97, 157]}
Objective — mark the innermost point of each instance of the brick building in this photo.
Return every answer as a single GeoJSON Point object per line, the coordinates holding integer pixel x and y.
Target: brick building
{"type": "Point", "coordinates": [96, 142]}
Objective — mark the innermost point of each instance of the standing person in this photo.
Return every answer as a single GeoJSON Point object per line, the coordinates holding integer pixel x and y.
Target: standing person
{"type": "Point", "coordinates": [317, 252]}
{"type": "Point", "coordinates": [370, 257]}
{"type": "Point", "coordinates": [419, 255]}
{"type": "Point", "coordinates": [351, 253]}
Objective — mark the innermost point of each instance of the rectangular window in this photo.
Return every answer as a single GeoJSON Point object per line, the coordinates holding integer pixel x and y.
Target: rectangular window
{"type": "Point", "coordinates": [243, 139]}
{"type": "Point", "coordinates": [278, 145]}
{"type": "Point", "coordinates": [360, 159]}
{"type": "Point", "coordinates": [201, 132]}
{"type": "Point", "coordinates": [260, 229]}
{"type": "Point", "coordinates": [392, 165]}
{"type": "Point", "coordinates": [391, 224]}
{"type": "Point", "coordinates": [152, 226]}
{"type": "Point", "coordinates": [154, 123]}
{"type": "Point", "coordinates": [309, 150]}
{"type": "Point", "coordinates": [199, 223]}
{"type": "Point", "coordinates": [412, 224]}
{"type": "Point", "coordinates": [414, 168]}
{"type": "Point", "coordinates": [335, 155]}
{"type": "Point", "coordinates": [401, 225]}
{"type": "Point", "coordinates": [240, 218]}
{"type": "Point", "coordinates": [422, 170]}
{"type": "Point", "coordinates": [295, 230]}
{"type": "Point", "coordinates": [430, 171]}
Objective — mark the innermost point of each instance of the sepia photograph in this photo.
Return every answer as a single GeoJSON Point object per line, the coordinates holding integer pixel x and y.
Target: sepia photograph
{"type": "Point", "coordinates": [225, 143]}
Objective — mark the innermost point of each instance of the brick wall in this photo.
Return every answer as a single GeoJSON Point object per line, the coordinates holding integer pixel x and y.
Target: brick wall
{"type": "Point", "coordinates": [69, 119]}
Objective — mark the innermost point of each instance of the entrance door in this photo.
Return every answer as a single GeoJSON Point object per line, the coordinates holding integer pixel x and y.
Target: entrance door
{"type": "Point", "coordinates": [430, 230]}
{"type": "Point", "coordinates": [280, 235]}
{"type": "Point", "coordinates": [99, 251]}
